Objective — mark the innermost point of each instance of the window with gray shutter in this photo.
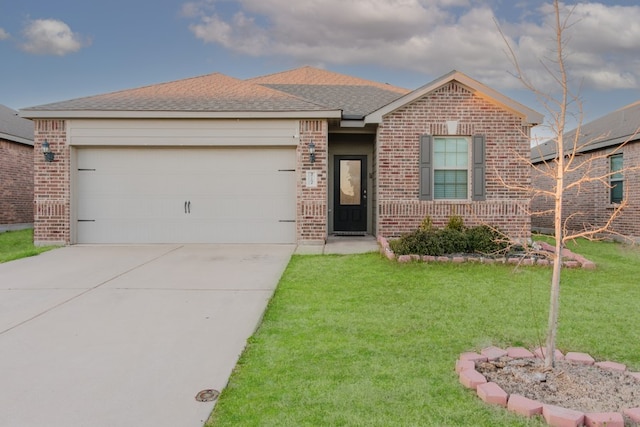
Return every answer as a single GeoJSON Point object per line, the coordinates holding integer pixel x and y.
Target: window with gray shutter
{"type": "Point", "coordinates": [426, 141]}
{"type": "Point", "coordinates": [478, 175]}
{"type": "Point", "coordinates": [444, 168]}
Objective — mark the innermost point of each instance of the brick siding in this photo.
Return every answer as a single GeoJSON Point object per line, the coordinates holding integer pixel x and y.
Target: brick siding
{"type": "Point", "coordinates": [396, 171]}
{"type": "Point", "coordinates": [588, 206]}
{"type": "Point", "coordinates": [312, 202]}
{"type": "Point", "coordinates": [16, 189]}
{"type": "Point", "coordinates": [51, 185]}
{"type": "Point", "coordinates": [398, 176]}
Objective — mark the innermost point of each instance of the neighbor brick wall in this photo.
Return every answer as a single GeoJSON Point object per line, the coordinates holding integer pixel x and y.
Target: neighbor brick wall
{"type": "Point", "coordinates": [507, 143]}
{"type": "Point", "coordinates": [588, 206]}
{"type": "Point", "coordinates": [312, 202]}
{"type": "Point", "coordinates": [16, 183]}
{"type": "Point", "coordinates": [51, 185]}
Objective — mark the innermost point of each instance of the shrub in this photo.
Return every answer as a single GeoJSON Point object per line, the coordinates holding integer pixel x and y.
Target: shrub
{"type": "Point", "coordinates": [485, 240]}
{"type": "Point", "coordinates": [453, 241]}
{"type": "Point", "coordinates": [455, 223]}
{"type": "Point", "coordinates": [454, 238]}
{"type": "Point", "coordinates": [419, 242]}
{"type": "Point", "coordinates": [426, 224]}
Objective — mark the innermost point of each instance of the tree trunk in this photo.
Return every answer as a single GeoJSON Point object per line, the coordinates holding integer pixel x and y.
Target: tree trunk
{"type": "Point", "coordinates": [554, 304]}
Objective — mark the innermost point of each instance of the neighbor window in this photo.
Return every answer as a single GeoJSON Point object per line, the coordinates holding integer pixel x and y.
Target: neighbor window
{"type": "Point", "coordinates": [615, 180]}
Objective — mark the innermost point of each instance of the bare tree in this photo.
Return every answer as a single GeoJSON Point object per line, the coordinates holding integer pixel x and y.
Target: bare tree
{"type": "Point", "coordinates": [568, 170]}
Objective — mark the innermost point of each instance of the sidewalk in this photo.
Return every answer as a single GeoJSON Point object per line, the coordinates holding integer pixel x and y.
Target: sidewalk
{"type": "Point", "coordinates": [341, 245]}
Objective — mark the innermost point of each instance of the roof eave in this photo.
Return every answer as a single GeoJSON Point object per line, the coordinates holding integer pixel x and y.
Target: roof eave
{"type": "Point", "coordinates": [529, 116]}
{"type": "Point", "coordinates": [15, 138]}
{"type": "Point", "coordinates": [602, 145]}
{"type": "Point", "coordinates": [106, 114]}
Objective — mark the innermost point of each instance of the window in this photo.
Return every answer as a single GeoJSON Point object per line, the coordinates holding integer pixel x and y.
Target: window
{"type": "Point", "coordinates": [615, 179]}
{"type": "Point", "coordinates": [450, 168]}
{"type": "Point", "coordinates": [445, 169]}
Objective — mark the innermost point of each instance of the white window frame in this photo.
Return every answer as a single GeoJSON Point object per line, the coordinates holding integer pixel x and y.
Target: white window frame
{"type": "Point", "coordinates": [467, 168]}
{"type": "Point", "coordinates": [616, 180]}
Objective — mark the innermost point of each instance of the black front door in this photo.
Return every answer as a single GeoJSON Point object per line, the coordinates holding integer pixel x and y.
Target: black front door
{"type": "Point", "coordinates": [350, 194]}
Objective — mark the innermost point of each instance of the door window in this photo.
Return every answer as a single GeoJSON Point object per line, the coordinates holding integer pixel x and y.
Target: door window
{"type": "Point", "coordinates": [350, 185]}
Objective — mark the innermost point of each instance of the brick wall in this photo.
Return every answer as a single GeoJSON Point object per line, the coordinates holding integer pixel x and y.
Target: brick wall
{"type": "Point", "coordinates": [507, 148]}
{"type": "Point", "coordinates": [51, 185]}
{"type": "Point", "coordinates": [16, 187]}
{"type": "Point", "coordinates": [312, 202]}
{"type": "Point", "coordinates": [588, 206]}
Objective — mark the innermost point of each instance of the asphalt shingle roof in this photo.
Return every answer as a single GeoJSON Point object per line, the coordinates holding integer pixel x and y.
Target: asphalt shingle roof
{"type": "Point", "coordinates": [610, 130]}
{"type": "Point", "coordinates": [213, 92]}
{"type": "Point", "coordinates": [303, 89]}
{"type": "Point", "coordinates": [355, 96]}
{"type": "Point", "coordinates": [12, 126]}
{"type": "Point", "coordinates": [316, 76]}
{"type": "Point", "coordinates": [354, 101]}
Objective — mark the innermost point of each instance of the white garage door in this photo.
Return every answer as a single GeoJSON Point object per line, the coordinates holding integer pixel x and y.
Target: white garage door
{"type": "Point", "coordinates": [185, 195]}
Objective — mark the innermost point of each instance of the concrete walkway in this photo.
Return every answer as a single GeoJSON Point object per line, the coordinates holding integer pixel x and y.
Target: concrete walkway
{"type": "Point", "coordinates": [104, 336]}
{"type": "Point", "coordinates": [341, 245]}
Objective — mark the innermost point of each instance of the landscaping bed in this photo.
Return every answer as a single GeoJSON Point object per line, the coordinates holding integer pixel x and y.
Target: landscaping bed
{"type": "Point", "coordinates": [457, 243]}
{"type": "Point", "coordinates": [570, 259]}
{"type": "Point", "coordinates": [577, 389]}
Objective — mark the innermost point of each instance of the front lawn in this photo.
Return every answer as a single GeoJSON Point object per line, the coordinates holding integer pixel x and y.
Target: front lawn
{"type": "Point", "coordinates": [19, 244]}
{"type": "Point", "coordinates": [361, 341]}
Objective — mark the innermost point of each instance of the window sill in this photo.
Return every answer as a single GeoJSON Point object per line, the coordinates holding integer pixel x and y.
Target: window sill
{"type": "Point", "coordinates": [449, 201]}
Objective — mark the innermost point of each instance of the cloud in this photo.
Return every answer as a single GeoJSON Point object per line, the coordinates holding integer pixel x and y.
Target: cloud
{"type": "Point", "coordinates": [3, 34]}
{"type": "Point", "coordinates": [50, 37]}
{"type": "Point", "coordinates": [430, 37]}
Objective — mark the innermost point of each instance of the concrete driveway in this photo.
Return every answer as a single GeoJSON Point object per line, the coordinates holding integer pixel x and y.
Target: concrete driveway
{"type": "Point", "coordinates": [127, 335]}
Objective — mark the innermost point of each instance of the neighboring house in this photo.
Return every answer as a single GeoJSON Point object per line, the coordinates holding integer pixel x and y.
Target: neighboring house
{"type": "Point", "coordinates": [610, 143]}
{"type": "Point", "coordinates": [290, 157]}
{"type": "Point", "coordinates": [16, 170]}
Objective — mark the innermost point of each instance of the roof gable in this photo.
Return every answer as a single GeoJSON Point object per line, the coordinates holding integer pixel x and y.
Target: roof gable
{"type": "Point", "coordinates": [528, 115]}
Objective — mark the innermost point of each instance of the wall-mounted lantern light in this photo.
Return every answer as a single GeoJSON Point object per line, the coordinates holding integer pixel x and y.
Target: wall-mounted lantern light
{"type": "Point", "coordinates": [46, 150]}
{"type": "Point", "coordinates": [312, 152]}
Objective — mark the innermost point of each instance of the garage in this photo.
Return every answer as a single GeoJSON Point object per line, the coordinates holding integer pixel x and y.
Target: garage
{"type": "Point", "coordinates": [208, 159]}
{"type": "Point", "coordinates": [184, 194]}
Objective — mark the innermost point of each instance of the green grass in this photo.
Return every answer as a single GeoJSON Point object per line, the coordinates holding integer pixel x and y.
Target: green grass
{"type": "Point", "coordinates": [19, 244]}
{"type": "Point", "coordinates": [361, 341]}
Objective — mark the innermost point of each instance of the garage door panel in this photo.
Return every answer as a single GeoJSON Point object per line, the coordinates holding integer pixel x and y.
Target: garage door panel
{"type": "Point", "coordinates": [272, 209]}
{"type": "Point", "coordinates": [212, 195]}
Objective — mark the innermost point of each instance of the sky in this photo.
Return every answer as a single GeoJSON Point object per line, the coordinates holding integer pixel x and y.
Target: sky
{"type": "Point", "coordinates": [58, 50]}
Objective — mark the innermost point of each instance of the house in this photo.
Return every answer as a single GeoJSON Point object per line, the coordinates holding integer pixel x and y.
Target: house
{"type": "Point", "coordinates": [608, 144]}
{"type": "Point", "coordinates": [290, 157]}
{"type": "Point", "coordinates": [16, 170]}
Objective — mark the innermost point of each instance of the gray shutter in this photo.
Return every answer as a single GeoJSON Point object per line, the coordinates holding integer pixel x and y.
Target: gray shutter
{"type": "Point", "coordinates": [426, 189]}
{"type": "Point", "coordinates": [478, 172]}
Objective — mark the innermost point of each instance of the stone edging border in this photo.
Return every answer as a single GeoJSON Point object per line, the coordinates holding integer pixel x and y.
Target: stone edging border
{"type": "Point", "coordinates": [556, 416]}
{"type": "Point", "coordinates": [572, 260]}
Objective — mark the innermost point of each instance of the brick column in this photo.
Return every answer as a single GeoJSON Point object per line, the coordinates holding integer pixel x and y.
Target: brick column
{"type": "Point", "coordinates": [51, 185]}
{"type": "Point", "coordinates": [311, 203]}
